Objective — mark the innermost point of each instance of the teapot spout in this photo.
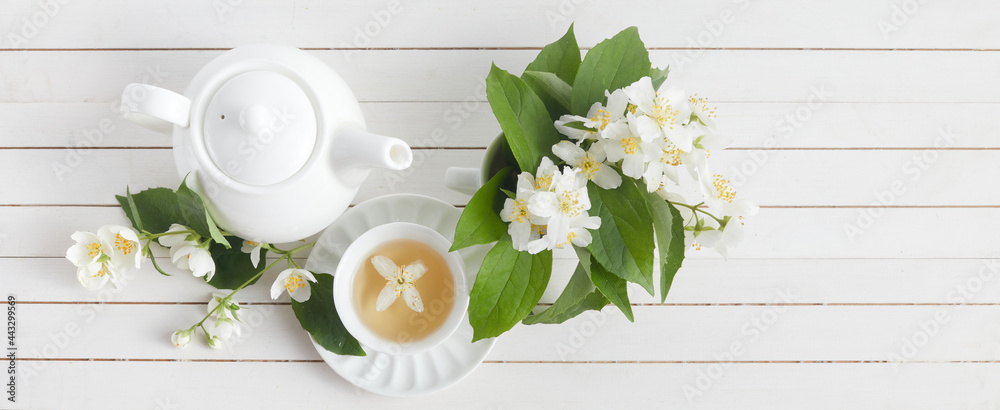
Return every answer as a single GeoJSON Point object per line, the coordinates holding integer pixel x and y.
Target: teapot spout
{"type": "Point", "coordinates": [362, 150]}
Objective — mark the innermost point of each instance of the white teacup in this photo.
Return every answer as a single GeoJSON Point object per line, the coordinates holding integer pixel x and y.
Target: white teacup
{"type": "Point", "coordinates": [469, 180]}
{"type": "Point", "coordinates": [359, 252]}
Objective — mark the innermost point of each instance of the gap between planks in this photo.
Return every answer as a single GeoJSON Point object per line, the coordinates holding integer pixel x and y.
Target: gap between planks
{"type": "Point", "coordinates": [42, 359]}
{"type": "Point", "coordinates": [91, 302]}
{"type": "Point", "coordinates": [865, 49]}
{"type": "Point", "coordinates": [959, 258]}
{"type": "Point", "coordinates": [463, 206]}
{"type": "Point", "coordinates": [477, 148]}
{"type": "Point", "coordinates": [365, 101]}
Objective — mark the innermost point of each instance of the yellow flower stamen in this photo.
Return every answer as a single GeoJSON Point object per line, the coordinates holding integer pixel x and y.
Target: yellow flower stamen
{"type": "Point", "coordinates": [93, 249]}
{"type": "Point", "coordinates": [251, 243]}
{"type": "Point", "coordinates": [543, 182]}
{"type": "Point", "coordinates": [663, 113]}
{"type": "Point", "coordinates": [701, 105]}
{"type": "Point", "coordinates": [569, 203]}
{"type": "Point", "coordinates": [723, 188]}
{"type": "Point", "coordinates": [589, 167]}
{"type": "Point", "coordinates": [569, 239]}
{"type": "Point", "coordinates": [519, 211]}
{"type": "Point", "coordinates": [671, 155]}
{"type": "Point", "coordinates": [403, 282]}
{"type": "Point", "coordinates": [293, 283]}
{"type": "Point", "coordinates": [539, 229]}
{"type": "Point", "coordinates": [631, 108]}
{"type": "Point", "coordinates": [602, 118]}
{"type": "Point", "coordinates": [124, 245]}
{"type": "Point", "coordinates": [630, 145]}
{"type": "Point", "coordinates": [102, 272]}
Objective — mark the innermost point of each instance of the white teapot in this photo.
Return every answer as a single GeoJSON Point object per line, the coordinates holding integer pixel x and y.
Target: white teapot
{"type": "Point", "coordinates": [271, 137]}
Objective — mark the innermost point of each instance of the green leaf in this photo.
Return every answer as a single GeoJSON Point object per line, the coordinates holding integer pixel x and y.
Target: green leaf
{"type": "Point", "coordinates": [232, 266]}
{"type": "Point", "coordinates": [583, 256]}
{"type": "Point", "coordinates": [214, 230]}
{"type": "Point", "coordinates": [523, 118]}
{"type": "Point", "coordinates": [561, 58]}
{"type": "Point", "coordinates": [508, 286]}
{"type": "Point", "coordinates": [624, 242]}
{"type": "Point", "coordinates": [579, 296]}
{"type": "Point", "coordinates": [152, 259]}
{"type": "Point", "coordinates": [480, 221]}
{"type": "Point", "coordinates": [155, 208]}
{"type": "Point", "coordinates": [319, 317]}
{"type": "Point", "coordinates": [194, 212]}
{"type": "Point", "coordinates": [612, 64]}
{"type": "Point", "coordinates": [669, 227]}
{"type": "Point", "coordinates": [613, 287]}
{"type": "Point", "coordinates": [553, 91]}
{"type": "Point", "coordinates": [133, 211]}
{"type": "Point", "coordinates": [579, 125]}
{"type": "Point", "coordinates": [658, 75]}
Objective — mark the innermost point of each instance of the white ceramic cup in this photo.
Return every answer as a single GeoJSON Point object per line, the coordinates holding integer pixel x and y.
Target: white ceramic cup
{"type": "Point", "coordinates": [360, 252]}
{"type": "Point", "coordinates": [469, 180]}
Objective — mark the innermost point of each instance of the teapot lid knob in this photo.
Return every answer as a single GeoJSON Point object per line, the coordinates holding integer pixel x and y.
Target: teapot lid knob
{"type": "Point", "coordinates": [260, 127]}
{"type": "Point", "coordinates": [255, 118]}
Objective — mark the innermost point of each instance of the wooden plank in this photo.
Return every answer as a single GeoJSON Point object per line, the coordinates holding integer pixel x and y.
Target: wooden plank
{"type": "Point", "coordinates": [660, 333]}
{"type": "Point", "coordinates": [100, 170]}
{"type": "Point", "coordinates": [783, 233]}
{"type": "Point", "coordinates": [458, 75]}
{"type": "Point", "coordinates": [549, 385]}
{"type": "Point", "coordinates": [471, 124]}
{"type": "Point", "coordinates": [522, 23]}
{"type": "Point", "coordinates": [770, 178]}
{"type": "Point", "coordinates": [426, 125]}
{"type": "Point", "coordinates": [894, 74]}
{"type": "Point", "coordinates": [700, 281]}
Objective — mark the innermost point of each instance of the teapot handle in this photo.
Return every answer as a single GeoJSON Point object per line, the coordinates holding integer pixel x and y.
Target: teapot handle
{"type": "Point", "coordinates": [155, 108]}
{"type": "Point", "coordinates": [463, 180]}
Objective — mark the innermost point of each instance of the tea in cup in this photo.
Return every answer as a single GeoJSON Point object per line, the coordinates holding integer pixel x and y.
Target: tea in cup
{"type": "Point", "coordinates": [399, 291]}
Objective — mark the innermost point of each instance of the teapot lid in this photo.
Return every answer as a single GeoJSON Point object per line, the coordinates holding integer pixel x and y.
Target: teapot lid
{"type": "Point", "coordinates": [260, 127]}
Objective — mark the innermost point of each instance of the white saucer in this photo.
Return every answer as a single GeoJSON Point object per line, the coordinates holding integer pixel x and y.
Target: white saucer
{"type": "Point", "coordinates": [419, 374]}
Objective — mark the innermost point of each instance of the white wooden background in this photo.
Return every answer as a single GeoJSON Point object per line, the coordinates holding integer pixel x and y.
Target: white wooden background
{"type": "Point", "coordinates": [905, 314]}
